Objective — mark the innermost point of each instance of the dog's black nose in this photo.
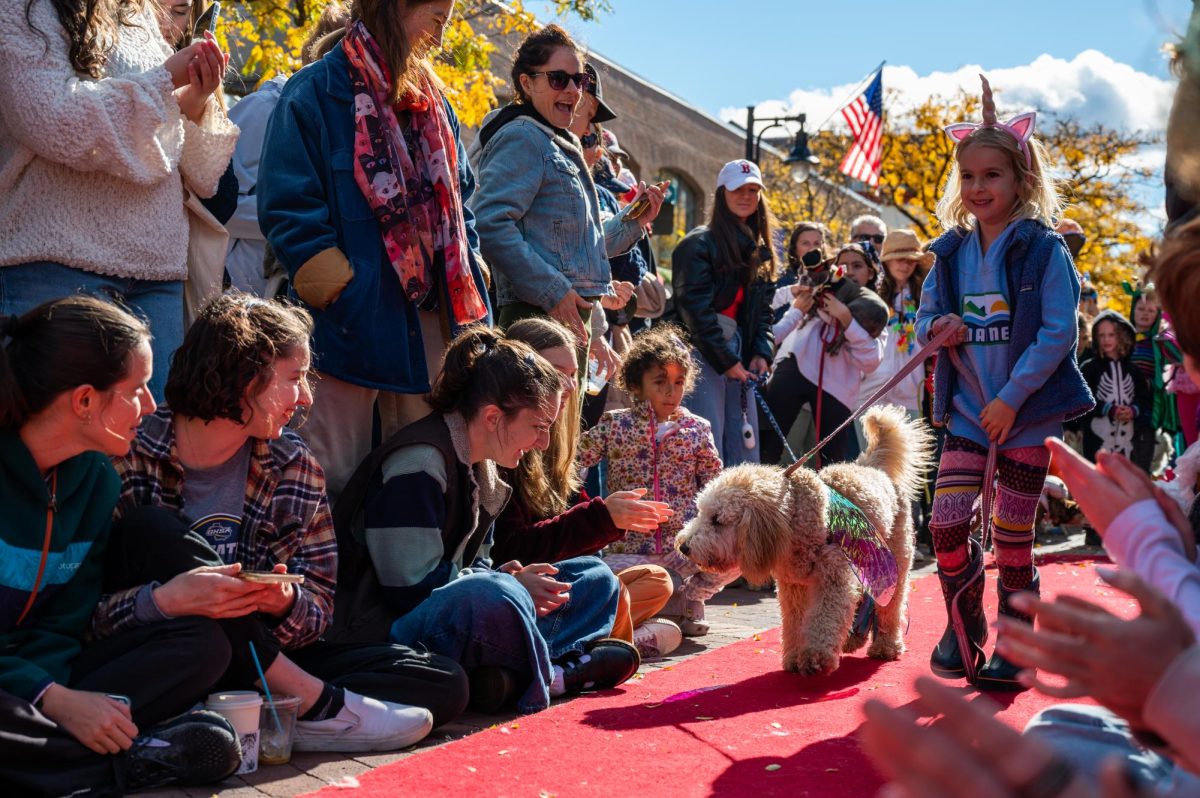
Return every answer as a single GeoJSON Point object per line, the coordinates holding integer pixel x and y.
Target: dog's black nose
{"type": "Point", "coordinates": [683, 548]}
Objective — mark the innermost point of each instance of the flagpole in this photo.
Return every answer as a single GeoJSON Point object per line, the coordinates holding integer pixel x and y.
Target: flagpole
{"type": "Point", "coordinates": [851, 96]}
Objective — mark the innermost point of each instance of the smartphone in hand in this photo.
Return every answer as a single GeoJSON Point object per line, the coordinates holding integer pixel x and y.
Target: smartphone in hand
{"type": "Point", "coordinates": [271, 578]}
{"type": "Point", "coordinates": [207, 21]}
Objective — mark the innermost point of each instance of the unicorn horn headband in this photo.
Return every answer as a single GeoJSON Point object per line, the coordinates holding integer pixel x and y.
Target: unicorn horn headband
{"type": "Point", "coordinates": [1020, 127]}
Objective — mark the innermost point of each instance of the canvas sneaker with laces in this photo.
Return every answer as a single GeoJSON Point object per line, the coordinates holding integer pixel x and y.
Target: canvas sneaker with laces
{"type": "Point", "coordinates": [656, 638]}
{"type": "Point", "coordinates": [365, 724]}
{"type": "Point", "coordinates": [195, 748]}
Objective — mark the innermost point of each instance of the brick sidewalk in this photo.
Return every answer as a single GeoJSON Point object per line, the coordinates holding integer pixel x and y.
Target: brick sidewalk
{"type": "Point", "coordinates": [734, 614]}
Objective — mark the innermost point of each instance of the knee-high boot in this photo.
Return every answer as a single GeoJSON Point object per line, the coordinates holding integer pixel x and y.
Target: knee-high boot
{"type": "Point", "coordinates": [999, 673]}
{"type": "Point", "coordinates": [966, 625]}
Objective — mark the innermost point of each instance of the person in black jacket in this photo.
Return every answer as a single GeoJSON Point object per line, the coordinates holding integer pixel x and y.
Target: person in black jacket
{"type": "Point", "coordinates": [723, 276]}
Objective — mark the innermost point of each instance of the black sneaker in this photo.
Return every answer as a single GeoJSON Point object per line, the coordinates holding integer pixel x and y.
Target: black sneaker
{"type": "Point", "coordinates": [197, 748]}
{"type": "Point", "coordinates": [605, 663]}
{"type": "Point", "coordinates": [492, 688]}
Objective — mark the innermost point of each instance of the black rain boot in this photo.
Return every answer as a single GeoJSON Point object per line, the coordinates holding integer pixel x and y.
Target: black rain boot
{"type": "Point", "coordinates": [947, 660]}
{"type": "Point", "coordinates": [999, 673]}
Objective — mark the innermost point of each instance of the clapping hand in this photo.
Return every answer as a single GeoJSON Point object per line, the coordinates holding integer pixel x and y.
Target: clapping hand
{"type": "Point", "coordinates": [969, 753]}
{"type": "Point", "coordinates": [1116, 661]}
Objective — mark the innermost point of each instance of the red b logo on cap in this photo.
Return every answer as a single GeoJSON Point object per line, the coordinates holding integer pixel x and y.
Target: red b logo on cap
{"type": "Point", "coordinates": [745, 168]}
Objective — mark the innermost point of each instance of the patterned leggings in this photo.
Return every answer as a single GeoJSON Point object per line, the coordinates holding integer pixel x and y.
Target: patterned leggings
{"type": "Point", "coordinates": [1021, 474]}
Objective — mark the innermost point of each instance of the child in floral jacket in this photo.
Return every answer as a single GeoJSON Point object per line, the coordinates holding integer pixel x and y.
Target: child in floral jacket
{"type": "Point", "coordinates": [659, 446]}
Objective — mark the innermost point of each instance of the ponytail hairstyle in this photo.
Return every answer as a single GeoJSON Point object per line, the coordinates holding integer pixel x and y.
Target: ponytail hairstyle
{"type": "Point", "coordinates": [547, 480]}
{"type": "Point", "coordinates": [61, 345]}
{"type": "Point", "coordinates": [229, 352]}
{"type": "Point", "coordinates": [533, 53]}
{"type": "Point", "coordinates": [483, 367]}
{"type": "Point", "coordinates": [723, 226]}
{"type": "Point", "coordinates": [91, 27]}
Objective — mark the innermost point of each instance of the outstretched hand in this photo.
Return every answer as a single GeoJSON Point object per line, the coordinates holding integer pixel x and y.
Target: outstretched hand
{"type": "Point", "coordinates": [630, 511]}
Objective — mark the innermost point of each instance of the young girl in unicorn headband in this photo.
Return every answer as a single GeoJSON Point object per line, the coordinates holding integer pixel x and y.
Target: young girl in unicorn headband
{"type": "Point", "coordinates": [1007, 379]}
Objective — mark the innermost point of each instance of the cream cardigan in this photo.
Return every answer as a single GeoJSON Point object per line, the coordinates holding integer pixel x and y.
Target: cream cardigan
{"type": "Point", "coordinates": [92, 171]}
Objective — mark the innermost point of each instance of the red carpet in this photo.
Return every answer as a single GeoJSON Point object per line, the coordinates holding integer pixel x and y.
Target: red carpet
{"type": "Point", "coordinates": [725, 723]}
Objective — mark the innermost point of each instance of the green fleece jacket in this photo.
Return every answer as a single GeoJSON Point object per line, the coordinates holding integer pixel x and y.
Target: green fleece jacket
{"type": "Point", "coordinates": [41, 649]}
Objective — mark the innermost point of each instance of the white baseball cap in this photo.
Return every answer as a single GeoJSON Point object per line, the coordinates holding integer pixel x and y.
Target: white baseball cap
{"type": "Point", "coordinates": [736, 174]}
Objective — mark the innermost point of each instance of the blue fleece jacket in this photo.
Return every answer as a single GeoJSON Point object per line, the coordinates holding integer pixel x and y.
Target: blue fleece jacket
{"type": "Point", "coordinates": [985, 284]}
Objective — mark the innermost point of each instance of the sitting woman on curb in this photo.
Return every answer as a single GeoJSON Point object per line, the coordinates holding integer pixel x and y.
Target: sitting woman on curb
{"type": "Point", "coordinates": [541, 524]}
{"type": "Point", "coordinates": [73, 388]}
{"type": "Point", "coordinates": [415, 531]}
{"type": "Point", "coordinates": [216, 486]}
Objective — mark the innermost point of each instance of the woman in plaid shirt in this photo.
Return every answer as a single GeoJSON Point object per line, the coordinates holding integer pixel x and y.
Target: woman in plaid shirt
{"type": "Point", "coordinates": [216, 486]}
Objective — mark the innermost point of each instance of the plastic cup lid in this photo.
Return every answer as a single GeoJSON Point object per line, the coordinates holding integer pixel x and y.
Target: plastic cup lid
{"type": "Point", "coordinates": [234, 699]}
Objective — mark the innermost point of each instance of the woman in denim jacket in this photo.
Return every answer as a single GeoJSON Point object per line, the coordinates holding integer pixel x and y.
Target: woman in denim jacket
{"type": "Point", "coordinates": [362, 195]}
{"type": "Point", "coordinates": [539, 220]}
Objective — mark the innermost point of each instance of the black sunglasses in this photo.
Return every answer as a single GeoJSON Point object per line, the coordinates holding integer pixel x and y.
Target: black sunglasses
{"type": "Point", "coordinates": [878, 239]}
{"type": "Point", "coordinates": [590, 139]}
{"type": "Point", "coordinates": [559, 78]}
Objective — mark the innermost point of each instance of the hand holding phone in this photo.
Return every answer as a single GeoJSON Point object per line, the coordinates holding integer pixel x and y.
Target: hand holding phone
{"type": "Point", "coordinates": [642, 203]}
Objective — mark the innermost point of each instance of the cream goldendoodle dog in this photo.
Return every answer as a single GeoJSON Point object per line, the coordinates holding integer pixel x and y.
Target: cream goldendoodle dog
{"type": "Point", "coordinates": [753, 518]}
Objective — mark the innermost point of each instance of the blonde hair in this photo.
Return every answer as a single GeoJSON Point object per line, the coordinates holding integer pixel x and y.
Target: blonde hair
{"type": "Point", "coordinates": [1037, 192]}
{"type": "Point", "coordinates": [547, 480]}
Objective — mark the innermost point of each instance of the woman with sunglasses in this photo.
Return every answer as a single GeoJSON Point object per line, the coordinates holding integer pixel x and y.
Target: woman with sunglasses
{"type": "Point", "coordinates": [362, 194]}
{"type": "Point", "coordinates": [540, 222]}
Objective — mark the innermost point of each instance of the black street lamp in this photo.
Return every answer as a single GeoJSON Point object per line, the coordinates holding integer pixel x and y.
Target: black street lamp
{"type": "Point", "coordinates": [800, 159]}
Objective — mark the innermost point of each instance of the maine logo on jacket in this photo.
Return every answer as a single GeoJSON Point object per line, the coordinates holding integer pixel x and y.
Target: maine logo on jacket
{"type": "Point", "coordinates": [987, 317]}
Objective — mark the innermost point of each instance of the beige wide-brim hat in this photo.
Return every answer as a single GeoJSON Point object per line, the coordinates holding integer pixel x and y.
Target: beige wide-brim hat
{"type": "Point", "coordinates": [904, 245]}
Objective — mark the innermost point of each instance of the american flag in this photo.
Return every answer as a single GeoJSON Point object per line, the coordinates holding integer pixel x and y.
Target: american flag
{"type": "Point", "coordinates": [865, 117]}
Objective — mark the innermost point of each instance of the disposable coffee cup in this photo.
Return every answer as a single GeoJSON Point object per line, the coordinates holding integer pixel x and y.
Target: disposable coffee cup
{"type": "Point", "coordinates": [240, 708]}
{"type": "Point", "coordinates": [275, 747]}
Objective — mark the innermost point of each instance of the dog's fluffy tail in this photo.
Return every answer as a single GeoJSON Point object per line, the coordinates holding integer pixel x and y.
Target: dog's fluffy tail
{"type": "Point", "coordinates": [900, 447]}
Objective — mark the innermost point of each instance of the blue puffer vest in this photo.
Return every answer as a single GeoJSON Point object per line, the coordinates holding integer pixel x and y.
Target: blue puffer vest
{"type": "Point", "coordinates": [1065, 394]}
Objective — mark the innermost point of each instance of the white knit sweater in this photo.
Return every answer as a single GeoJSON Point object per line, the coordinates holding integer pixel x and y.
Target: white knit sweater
{"type": "Point", "coordinates": [92, 171]}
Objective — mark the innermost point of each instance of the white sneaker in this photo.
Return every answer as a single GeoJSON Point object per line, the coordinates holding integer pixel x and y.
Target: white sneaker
{"type": "Point", "coordinates": [365, 724]}
{"type": "Point", "coordinates": [656, 638]}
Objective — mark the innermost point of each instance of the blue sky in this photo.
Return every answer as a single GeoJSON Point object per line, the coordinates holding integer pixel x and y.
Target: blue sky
{"type": "Point", "coordinates": [719, 54]}
{"type": "Point", "coordinates": [1093, 60]}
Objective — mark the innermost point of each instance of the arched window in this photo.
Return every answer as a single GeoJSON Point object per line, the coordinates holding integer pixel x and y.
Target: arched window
{"type": "Point", "coordinates": [683, 198]}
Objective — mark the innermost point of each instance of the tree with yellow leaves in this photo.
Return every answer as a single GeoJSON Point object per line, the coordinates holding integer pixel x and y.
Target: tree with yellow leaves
{"type": "Point", "coordinates": [266, 35]}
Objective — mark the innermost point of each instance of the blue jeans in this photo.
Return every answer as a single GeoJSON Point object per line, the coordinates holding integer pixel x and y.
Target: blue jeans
{"type": "Point", "coordinates": [159, 302]}
{"type": "Point", "coordinates": [487, 618]}
{"type": "Point", "coordinates": [718, 400]}
{"type": "Point", "coordinates": [1086, 736]}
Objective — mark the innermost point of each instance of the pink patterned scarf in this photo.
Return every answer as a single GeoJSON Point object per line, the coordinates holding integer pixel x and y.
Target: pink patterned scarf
{"type": "Point", "coordinates": [416, 202]}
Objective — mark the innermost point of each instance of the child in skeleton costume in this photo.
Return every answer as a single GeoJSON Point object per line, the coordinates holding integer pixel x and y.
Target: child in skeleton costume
{"type": "Point", "coordinates": [1154, 350]}
{"type": "Point", "coordinates": [1121, 421]}
{"type": "Point", "coordinates": [1006, 378]}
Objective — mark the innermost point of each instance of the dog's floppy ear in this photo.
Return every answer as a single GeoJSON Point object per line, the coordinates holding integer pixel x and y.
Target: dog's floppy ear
{"type": "Point", "coordinates": [763, 533]}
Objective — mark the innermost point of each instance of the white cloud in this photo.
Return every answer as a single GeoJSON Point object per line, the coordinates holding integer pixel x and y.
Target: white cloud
{"type": "Point", "coordinates": [1090, 87]}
